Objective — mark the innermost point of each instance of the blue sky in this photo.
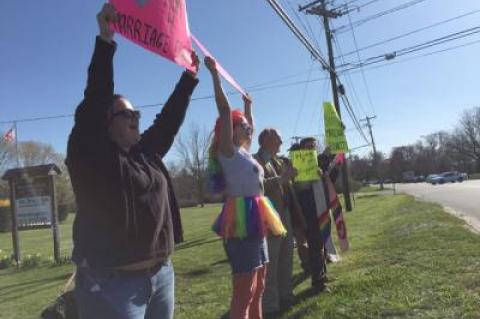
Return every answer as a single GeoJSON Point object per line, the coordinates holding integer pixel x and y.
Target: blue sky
{"type": "Point", "coordinates": [47, 45]}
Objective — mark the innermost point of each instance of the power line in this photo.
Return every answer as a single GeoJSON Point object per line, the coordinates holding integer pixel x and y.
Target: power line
{"type": "Point", "coordinates": [350, 82]}
{"type": "Point", "coordinates": [256, 88]}
{"type": "Point", "coordinates": [353, 69]}
{"type": "Point", "coordinates": [411, 32]}
{"type": "Point", "coordinates": [337, 87]}
{"type": "Point", "coordinates": [302, 104]}
{"type": "Point", "coordinates": [356, 8]}
{"type": "Point", "coordinates": [388, 63]}
{"type": "Point", "coordinates": [357, 23]}
{"type": "Point", "coordinates": [359, 59]}
{"type": "Point", "coordinates": [353, 117]}
{"type": "Point", "coordinates": [286, 19]}
{"type": "Point", "coordinates": [415, 48]}
{"type": "Point", "coordinates": [309, 31]}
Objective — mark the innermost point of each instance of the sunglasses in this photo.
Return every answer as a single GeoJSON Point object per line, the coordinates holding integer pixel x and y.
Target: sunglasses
{"type": "Point", "coordinates": [245, 126]}
{"type": "Point", "coordinates": [127, 113]}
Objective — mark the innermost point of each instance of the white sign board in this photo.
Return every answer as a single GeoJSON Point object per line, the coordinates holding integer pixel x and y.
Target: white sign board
{"type": "Point", "coordinates": [32, 211]}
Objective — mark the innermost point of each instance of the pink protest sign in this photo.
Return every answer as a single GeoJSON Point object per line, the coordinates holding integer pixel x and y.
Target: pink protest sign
{"type": "Point", "coordinates": [220, 69]}
{"type": "Point", "coordinates": [160, 26]}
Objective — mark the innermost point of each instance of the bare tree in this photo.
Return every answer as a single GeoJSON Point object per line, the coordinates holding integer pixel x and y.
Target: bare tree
{"type": "Point", "coordinates": [32, 153]}
{"type": "Point", "coordinates": [193, 152]}
{"type": "Point", "coordinates": [465, 139]}
{"type": "Point", "coordinates": [5, 154]}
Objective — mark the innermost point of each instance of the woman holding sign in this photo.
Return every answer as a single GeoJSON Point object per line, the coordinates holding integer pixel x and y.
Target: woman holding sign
{"type": "Point", "coordinates": [127, 217]}
{"type": "Point", "coordinates": [247, 215]}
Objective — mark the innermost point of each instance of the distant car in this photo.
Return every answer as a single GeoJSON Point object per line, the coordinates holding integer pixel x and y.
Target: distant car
{"type": "Point", "coordinates": [446, 177]}
{"type": "Point", "coordinates": [430, 177]}
{"type": "Point", "coordinates": [419, 179]}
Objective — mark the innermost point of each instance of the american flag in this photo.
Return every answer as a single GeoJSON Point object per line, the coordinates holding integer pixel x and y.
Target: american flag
{"type": "Point", "coordinates": [9, 137]}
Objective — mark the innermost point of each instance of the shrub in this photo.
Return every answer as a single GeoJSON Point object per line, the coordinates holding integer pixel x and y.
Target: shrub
{"type": "Point", "coordinates": [5, 219]}
{"type": "Point", "coordinates": [30, 261]}
{"type": "Point", "coordinates": [5, 261]}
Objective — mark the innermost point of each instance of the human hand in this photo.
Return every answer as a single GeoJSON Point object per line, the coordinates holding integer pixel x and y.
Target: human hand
{"type": "Point", "coordinates": [104, 17]}
{"type": "Point", "coordinates": [247, 100]}
{"type": "Point", "coordinates": [195, 64]}
{"type": "Point", "coordinates": [288, 174]}
{"type": "Point", "coordinates": [211, 64]}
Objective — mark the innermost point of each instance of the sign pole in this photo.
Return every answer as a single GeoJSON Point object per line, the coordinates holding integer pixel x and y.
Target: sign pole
{"type": "Point", "coordinates": [55, 229]}
{"type": "Point", "coordinates": [13, 209]}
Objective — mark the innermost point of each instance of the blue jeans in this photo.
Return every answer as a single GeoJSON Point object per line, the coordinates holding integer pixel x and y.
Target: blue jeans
{"type": "Point", "coordinates": [107, 294]}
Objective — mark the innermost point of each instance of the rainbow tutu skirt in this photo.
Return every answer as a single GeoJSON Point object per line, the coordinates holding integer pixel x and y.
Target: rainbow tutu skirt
{"type": "Point", "coordinates": [242, 217]}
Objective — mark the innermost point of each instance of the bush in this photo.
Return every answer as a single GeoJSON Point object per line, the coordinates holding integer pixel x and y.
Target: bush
{"type": "Point", "coordinates": [5, 220]}
{"type": "Point", "coordinates": [5, 261]}
{"type": "Point", "coordinates": [30, 261]}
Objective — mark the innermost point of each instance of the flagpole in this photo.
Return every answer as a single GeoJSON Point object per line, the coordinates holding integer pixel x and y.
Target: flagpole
{"type": "Point", "coordinates": [16, 143]}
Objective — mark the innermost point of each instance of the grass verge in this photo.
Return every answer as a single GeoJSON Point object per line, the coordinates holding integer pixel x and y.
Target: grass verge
{"type": "Point", "coordinates": [408, 260]}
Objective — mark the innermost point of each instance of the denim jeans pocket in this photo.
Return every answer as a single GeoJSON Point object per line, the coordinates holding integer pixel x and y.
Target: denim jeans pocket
{"type": "Point", "coordinates": [93, 281]}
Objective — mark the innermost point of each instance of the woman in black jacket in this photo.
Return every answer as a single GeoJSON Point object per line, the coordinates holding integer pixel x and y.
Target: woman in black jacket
{"type": "Point", "coordinates": [127, 217]}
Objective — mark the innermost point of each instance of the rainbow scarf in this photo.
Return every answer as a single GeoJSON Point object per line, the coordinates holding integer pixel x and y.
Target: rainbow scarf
{"type": "Point", "coordinates": [243, 217]}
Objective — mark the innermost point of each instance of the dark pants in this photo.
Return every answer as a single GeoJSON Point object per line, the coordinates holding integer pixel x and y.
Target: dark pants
{"type": "Point", "coordinates": [315, 244]}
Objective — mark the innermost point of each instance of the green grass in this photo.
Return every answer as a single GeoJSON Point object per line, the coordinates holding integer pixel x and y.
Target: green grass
{"type": "Point", "coordinates": [370, 189]}
{"type": "Point", "coordinates": [407, 260]}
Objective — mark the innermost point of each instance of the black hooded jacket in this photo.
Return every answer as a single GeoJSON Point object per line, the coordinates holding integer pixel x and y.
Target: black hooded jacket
{"type": "Point", "coordinates": [126, 208]}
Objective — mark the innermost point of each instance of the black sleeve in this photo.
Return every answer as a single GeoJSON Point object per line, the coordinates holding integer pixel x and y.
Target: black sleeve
{"type": "Point", "coordinates": [158, 138]}
{"type": "Point", "coordinates": [89, 136]}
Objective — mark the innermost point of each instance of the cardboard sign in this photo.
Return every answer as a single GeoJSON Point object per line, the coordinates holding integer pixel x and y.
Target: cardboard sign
{"type": "Point", "coordinates": [306, 164]}
{"type": "Point", "coordinates": [160, 26]}
{"type": "Point", "coordinates": [334, 130]}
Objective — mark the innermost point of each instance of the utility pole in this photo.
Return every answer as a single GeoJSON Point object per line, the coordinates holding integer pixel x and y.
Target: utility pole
{"type": "Point", "coordinates": [296, 139]}
{"type": "Point", "coordinates": [321, 10]}
{"type": "Point", "coordinates": [375, 163]}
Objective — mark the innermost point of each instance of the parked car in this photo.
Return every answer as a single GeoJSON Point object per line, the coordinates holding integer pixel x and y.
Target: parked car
{"type": "Point", "coordinates": [419, 179]}
{"type": "Point", "coordinates": [446, 177]}
{"type": "Point", "coordinates": [430, 177]}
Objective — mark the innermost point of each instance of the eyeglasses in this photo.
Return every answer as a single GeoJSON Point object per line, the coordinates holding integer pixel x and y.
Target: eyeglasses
{"type": "Point", "coordinates": [127, 113]}
{"type": "Point", "coordinates": [245, 126]}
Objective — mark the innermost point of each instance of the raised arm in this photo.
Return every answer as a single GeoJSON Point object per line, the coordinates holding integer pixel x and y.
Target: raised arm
{"type": "Point", "coordinates": [247, 110]}
{"type": "Point", "coordinates": [100, 72]}
{"type": "Point", "coordinates": [224, 111]}
{"type": "Point", "coordinates": [90, 132]}
{"type": "Point", "coordinates": [159, 137]}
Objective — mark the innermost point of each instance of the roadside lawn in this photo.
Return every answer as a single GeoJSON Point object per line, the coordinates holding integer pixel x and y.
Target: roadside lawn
{"type": "Point", "coordinates": [407, 260]}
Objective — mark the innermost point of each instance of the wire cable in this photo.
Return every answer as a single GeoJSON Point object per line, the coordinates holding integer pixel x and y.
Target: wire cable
{"type": "Point", "coordinates": [302, 104]}
{"type": "Point", "coordinates": [411, 32]}
{"type": "Point", "coordinates": [364, 78]}
{"type": "Point", "coordinates": [286, 19]}
{"type": "Point", "coordinates": [357, 23]}
{"type": "Point", "coordinates": [415, 48]}
{"type": "Point", "coordinates": [388, 63]}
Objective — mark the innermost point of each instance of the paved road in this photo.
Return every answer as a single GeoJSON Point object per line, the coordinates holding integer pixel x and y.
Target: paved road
{"type": "Point", "coordinates": [462, 199]}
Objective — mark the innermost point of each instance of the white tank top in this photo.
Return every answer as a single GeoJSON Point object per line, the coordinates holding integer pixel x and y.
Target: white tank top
{"type": "Point", "coordinates": [243, 174]}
